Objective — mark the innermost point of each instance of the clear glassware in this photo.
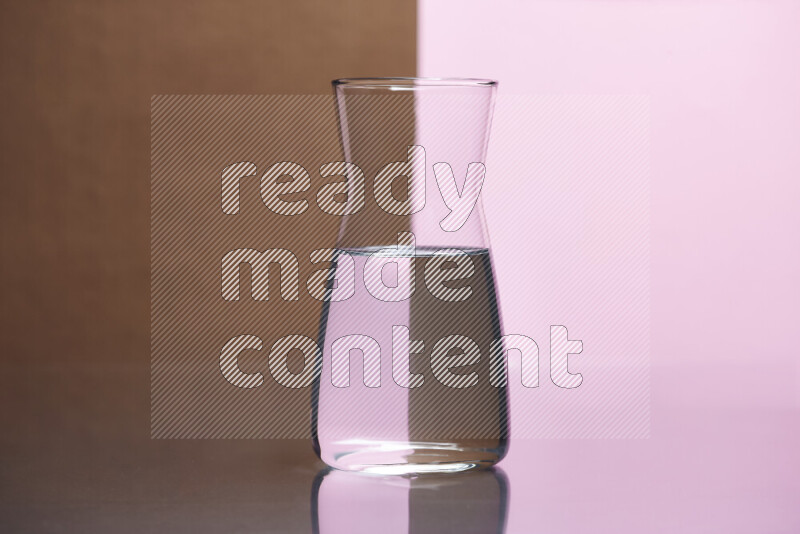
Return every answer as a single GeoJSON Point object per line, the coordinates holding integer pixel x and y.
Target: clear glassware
{"type": "Point", "coordinates": [412, 378]}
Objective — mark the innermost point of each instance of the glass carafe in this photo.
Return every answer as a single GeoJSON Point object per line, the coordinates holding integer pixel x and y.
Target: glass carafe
{"type": "Point", "coordinates": [413, 378]}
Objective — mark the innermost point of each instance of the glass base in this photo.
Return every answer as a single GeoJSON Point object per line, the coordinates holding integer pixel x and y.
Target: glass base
{"type": "Point", "coordinates": [412, 458]}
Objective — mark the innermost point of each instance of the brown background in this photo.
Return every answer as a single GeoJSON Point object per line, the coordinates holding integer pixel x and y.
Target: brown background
{"type": "Point", "coordinates": [77, 78]}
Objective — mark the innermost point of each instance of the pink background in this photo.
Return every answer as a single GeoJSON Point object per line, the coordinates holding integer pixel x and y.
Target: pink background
{"type": "Point", "coordinates": [724, 85]}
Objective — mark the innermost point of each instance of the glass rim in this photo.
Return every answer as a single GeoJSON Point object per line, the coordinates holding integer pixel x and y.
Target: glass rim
{"type": "Point", "coordinates": [411, 81]}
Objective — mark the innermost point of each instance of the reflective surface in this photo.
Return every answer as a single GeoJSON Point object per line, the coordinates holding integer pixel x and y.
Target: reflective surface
{"type": "Point", "coordinates": [722, 466]}
{"type": "Point", "coordinates": [345, 502]}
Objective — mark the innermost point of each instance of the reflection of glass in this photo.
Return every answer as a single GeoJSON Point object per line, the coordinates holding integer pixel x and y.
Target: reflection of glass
{"type": "Point", "coordinates": [413, 393]}
{"type": "Point", "coordinates": [343, 502]}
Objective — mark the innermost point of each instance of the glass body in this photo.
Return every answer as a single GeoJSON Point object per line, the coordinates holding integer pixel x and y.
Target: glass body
{"type": "Point", "coordinates": [413, 377]}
